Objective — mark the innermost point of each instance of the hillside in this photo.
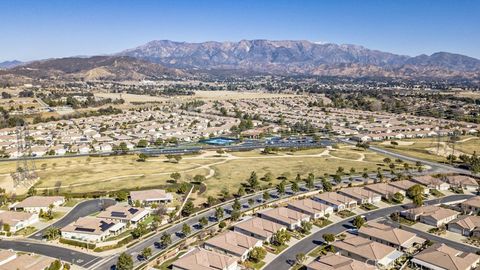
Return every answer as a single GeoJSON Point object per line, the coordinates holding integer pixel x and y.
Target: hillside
{"type": "Point", "coordinates": [116, 68]}
{"type": "Point", "coordinates": [303, 57]}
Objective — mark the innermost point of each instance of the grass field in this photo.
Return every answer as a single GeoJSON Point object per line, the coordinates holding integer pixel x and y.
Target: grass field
{"type": "Point", "coordinates": [82, 174]}
{"type": "Point", "coordinates": [427, 148]}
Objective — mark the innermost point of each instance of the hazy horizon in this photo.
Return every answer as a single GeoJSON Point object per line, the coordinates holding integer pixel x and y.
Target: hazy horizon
{"type": "Point", "coordinates": [52, 29]}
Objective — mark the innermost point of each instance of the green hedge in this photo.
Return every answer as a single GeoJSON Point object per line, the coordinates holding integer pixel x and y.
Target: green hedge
{"type": "Point", "coordinates": [77, 243]}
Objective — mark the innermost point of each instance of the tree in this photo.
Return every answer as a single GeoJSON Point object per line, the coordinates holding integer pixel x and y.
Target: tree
{"type": "Point", "coordinates": [387, 160]}
{"type": "Point", "coordinates": [188, 209]}
{"type": "Point", "coordinates": [418, 200]}
{"type": "Point", "coordinates": [235, 215]}
{"type": "Point", "coordinates": [142, 157]}
{"type": "Point", "coordinates": [50, 234]}
{"type": "Point", "coordinates": [358, 222]}
{"type": "Point", "coordinates": [295, 187]}
{"type": "Point", "coordinates": [55, 265]}
{"type": "Point", "coordinates": [251, 202]}
{"type": "Point", "coordinates": [236, 205]}
{"type": "Point", "coordinates": [300, 258]}
{"type": "Point", "coordinates": [327, 186]}
{"type": "Point", "coordinates": [281, 237]}
{"type": "Point", "coordinates": [257, 254]}
{"type": "Point", "coordinates": [451, 158]}
{"type": "Point", "coordinates": [211, 201]}
{"type": "Point", "coordinates": [306, 226]}
{"type": "Point", "coordinates": [165, 240]}
{"type": "Point", "coordinates": [328, 237]}
{"type": "Point", "coordinates": [219, 213]}
{"type": "Point", "coordinates": [177, 158]}
{"type": "Point", "coordinates": [186, 230]}
{"type": "Point", "coordinates": [398, 197]}
{"type": "Point", "coordinates": [310, 181]}
{"type": "Point", "coordinates": [182, 188]}
{"type": "Point", "coordinates": [281, 187]}
{"type": "Point", "coordinates": [253, 180]}
{"type": "Point", "coordinates": [199, 178]}
{"type": "Point", "coordinates": [298, 178]}
{"type": "Point", "coordinates": [415, 193]}
{"type": "Point", "coordinates": [146, 252]}
{"type": "Point", "coordinates": [125, 262]}
{"type": "Point", "coordinates": [140, 230]}
{"type": "Point", "coordinates": [415, 190]}
{"type": "Point", "coordinates": [175, 176]}
{"type": "Point", "coordinates": [203, 221]}
{"type": "Point", "coordinates": [337, 178]}
{"type": "Point", "coordinates": [241, 191]}
{"type": "Point", "coordinates": [266, 196]}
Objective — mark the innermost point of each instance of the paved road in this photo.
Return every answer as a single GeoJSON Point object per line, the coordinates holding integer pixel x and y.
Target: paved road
{"type": "Point", "coordinates": [82, 209]}
{"type": "Point", "coordinates": [68, 255]}
{"type": "Point", "coordinates": [285, 260]}
{"type": "Point", "coordinates": [175, 230]}
{"type": "Point", "coordinates": [75, 257]}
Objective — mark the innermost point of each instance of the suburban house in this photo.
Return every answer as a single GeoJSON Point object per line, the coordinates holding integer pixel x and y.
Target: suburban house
{"type": "Point", "coordinates": [442, 257]}
{"type": "Point", "coordinates": [384, 190]}
{"type": "Point", "coordinates": [337, 201]}
{"type": "Point", "coordinates": [285, 216]}
{"type": "Point", "coordinates": [471, 206]}
{"type": "Point", "coordinates": [462, 181]}
{"type": "Point", "coordinates": [124, 214]}
{"type": "Point", "coordinates": [390, 236]}
{"type": "Point", "coordinates": [233, 243]}
{"type": "Point", "coordinates": [258, 227]}
{"type": "Point", "coordinates": [148, 197]}
{"type": "Point", "coordinates": [34, 204]}
{"type": "Point", "coordinates": [338, 262]}
{"type": "Point", "coordinates": [310, 207]}
{"type": "Point", "coordinates": [17, 220]}
{"type": "Point", "coordinates": [431, 182]}
{"type": "Point", "coordinates": [361, 195]}
{"type": "Point", "coordinates": [431, 214]}
{"type": "Point", "coordinates": [9, 260]}
{"type": "Point", "coordinates": [465, 225]}
{"type": "Point", "coordinates": [368, 251]}
{"type": "Point", "coordinates": [201, 259]}
{"type": "Point", "coordinates": [406, 184]}
{"type": "Point", "coordinates": [92, 229]}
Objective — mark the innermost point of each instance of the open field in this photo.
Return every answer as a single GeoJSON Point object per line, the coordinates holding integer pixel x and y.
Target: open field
{"type": "Point", "coordinates": [431, 149]}
{"type": "Point", "coordinates": [223, 95]}
{"type": "Point", "coordinates": [131, 97]}
{"type": "Point", "coordinates": [82, 174]}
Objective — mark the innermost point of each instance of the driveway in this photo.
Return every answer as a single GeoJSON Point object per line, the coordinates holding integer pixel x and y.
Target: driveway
{"type": "Point", "coordinates": [285, 260]}
{"type": "Point", "coordinates": [82, 209]}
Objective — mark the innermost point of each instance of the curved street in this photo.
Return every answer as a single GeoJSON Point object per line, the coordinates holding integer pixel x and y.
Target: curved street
{"type": "Point", "coordinates": [285, 260]}
{"type": "Point", "coordinates": [281, 262]}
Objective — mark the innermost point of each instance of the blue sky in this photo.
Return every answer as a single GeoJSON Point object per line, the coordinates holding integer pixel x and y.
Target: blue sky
{"type": "Point", "coordinates": [42, 29]}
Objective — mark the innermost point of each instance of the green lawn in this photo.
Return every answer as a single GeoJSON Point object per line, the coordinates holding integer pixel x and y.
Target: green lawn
{"type": "Point", "coordinates": [166, 264]}
{"type": "Point", "coordinates": [252, 265]}
{"type": "Point", "coordinates": [321, 222]}
{"type": "Point", "coordinates": [345, 214]}
{"type": "Point", "coordinates": [26, 231]}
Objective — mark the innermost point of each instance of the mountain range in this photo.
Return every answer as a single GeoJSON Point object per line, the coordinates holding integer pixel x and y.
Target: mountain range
{"type": "Point", "coordinates": [165, 58]}
{"type": "Point", "coordinates": [303, 57]}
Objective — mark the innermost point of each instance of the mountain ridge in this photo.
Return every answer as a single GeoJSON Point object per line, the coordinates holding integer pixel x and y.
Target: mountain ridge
{"type": "Point", "coordinates": [302, 57]}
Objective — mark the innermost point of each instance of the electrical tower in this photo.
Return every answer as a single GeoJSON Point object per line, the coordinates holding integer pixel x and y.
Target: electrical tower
{"type": "Point", "coordinates": [25, 174]}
